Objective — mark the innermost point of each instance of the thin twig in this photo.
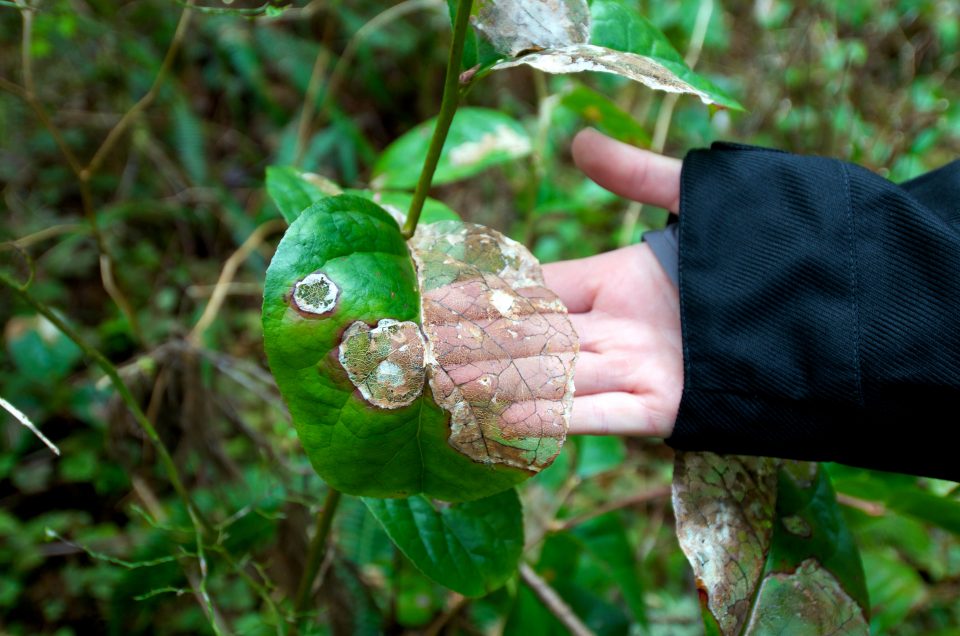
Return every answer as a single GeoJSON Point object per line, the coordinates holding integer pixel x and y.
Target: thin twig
{"type": "Point", "coordinates": [343, 63]}
{"type": "Point", "coordinates": [226, 276]}
{"type": "Point", "coordinates": [552, 601]}
{"type": "Point", "coordinates": [545, 523]}
{"type": "Point", "coordinates": [26, 14]}
{"type": "Point", "coordinates": [232, 289]}
{"type": "Point", "coordinates": [317, 550]}
{"type": "Point", "coordinates": [31, 100]}
{"type": "Point", "coordinates": [200, 523]}
{"type": "Point", "coordinates": [113, 290]}
{"type": "Point", "coordinates": [260, 588]}
{"type": "Point", "coordinates": [456, 605]}
{"type": "Point", "coordinates": [44, 234]}
{"type": "Point", "coordinates": [23, 419]}
{"type": "Point", "coordinates": [121, 127]}
{"type": "Point", "coordinates": [872, 508]}
{"type": "Point", "coordinates": [448, 108]}
{"type": "Point", "coordinates": [628, 502]}
{"type": "Point", "coordinates": [202, 595]}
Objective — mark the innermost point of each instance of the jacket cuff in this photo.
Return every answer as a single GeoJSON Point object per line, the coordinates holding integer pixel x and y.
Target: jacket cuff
{"type": "Point", "coordinates": [818, 309]}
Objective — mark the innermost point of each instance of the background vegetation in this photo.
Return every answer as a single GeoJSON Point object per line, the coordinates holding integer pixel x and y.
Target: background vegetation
{"type": "Point", "coordinates": [150, 232]}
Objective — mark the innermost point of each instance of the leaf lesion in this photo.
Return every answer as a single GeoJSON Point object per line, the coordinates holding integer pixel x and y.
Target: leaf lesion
{"type": "Point", "coordinates": [502, 346]}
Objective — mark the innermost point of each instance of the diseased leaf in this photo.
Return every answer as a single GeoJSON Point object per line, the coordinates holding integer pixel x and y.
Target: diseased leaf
{"type": "Point", "coordinates": [472, 547]}
{"type": "Point", "coordinates": [590, 57]}
{"type": "Point", "coordinates": [618, 25]}
{"type": "Point", "coordinates": [807, 600]}
{"type": "Point", "coordinates": [769, 548]}
{"type": "Point", "coordinates": [501, 342]}
{"type": "Point", "coordinates": [479, 138]}
{"type": "Point", "coordinates": [518, 26]}
{"type": "Point", "coordinates": [724, 508]}
{"type": "Point", "coordinates": [609, 36]}
{"type": "Point", "coordinates": [477, 52]}
{"type": "Point", "coordinates": [453, 379]}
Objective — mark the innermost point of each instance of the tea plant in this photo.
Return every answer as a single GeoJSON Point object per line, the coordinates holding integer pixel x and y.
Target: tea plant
{"type": "Point", "coordinates": [182, 502]}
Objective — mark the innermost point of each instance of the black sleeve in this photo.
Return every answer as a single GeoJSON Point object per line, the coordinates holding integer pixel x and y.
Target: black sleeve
{"type": "Point", "coordinates": [820, 307]}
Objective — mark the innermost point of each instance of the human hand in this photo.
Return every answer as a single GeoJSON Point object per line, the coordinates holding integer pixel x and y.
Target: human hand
{"type": "Point", "coordinates": [629, 376]}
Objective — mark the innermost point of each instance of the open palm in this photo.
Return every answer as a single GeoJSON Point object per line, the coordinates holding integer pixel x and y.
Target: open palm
{"type": "Point", "coordinates": [629, 376]}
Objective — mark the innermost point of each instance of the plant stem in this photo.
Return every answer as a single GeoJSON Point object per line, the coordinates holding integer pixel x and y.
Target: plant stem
{"type": "Point", "coordinates": [317, 549]}
{"type": "Point", "coordinates": [111, 371]}
{"type": "Point", "coordinates": [552, 601]}
{"type": "Point", "coordinates": [448, 107]}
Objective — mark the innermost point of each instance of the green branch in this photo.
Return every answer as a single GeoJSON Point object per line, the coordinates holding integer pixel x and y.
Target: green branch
{"type": "Point", "coordinates": [448, 107]}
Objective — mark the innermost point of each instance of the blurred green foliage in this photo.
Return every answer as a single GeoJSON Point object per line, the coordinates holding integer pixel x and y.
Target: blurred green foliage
{"type": "Point", "coordinates": [95, 541]}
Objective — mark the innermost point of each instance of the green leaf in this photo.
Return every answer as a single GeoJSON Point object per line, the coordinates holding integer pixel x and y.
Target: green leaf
{"type": "Point", "coordinates": [604, 114]}
{"type": "Point", "coordinates": [895, 589]}
{"type": "Point", "coordinates": [188, 134]}
{"type": "Point", "coordinates": [811, 528]}
{"type": "Point", "coordinates": [605, 537]}
{"type": "Point", "coordinates": [343, 335]}
{"type": "Point", "coordinates": [618, 25]}
{"type": "Point", "coordinates": [770, 548]}
{"type": "Point", "coordinates": [472, 547]}
{"type": "Point", "coordinates": [901, 493]}
{"type": "Point", "coordinates": [39, 350]}
{"type": "Point", "coordinates": [294, 191]}
{"type": "Point", "coordinates": [398, 203]}
{"type": "Point", "coordinates": [479, 138]}
{"type": "Point", "coordinates": [597, 454]}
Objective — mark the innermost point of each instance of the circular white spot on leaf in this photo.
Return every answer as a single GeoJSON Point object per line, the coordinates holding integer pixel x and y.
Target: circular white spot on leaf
{"type": "Point", "coordinates": [316, 294]}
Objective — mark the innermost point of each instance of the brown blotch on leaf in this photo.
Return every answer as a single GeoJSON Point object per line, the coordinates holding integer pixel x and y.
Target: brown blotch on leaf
{"type": "Point", "coordinates": [385, 363]}
{"type": "Point", "coordinates": [501, 348]}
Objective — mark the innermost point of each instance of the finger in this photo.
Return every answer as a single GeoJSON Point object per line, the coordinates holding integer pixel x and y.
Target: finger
{"type": "Point", "coordinates": [593, 374]}
{"type": "Point", "coordinates": [573, 283]}
{"type": "Point", "coordinates": [632, 173]}
{"type": "Point", "coordinates": [614, 414]}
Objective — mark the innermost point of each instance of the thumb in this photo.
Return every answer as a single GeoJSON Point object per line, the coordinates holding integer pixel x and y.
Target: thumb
{"type": "Point", "coordinates": [628, 171]}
